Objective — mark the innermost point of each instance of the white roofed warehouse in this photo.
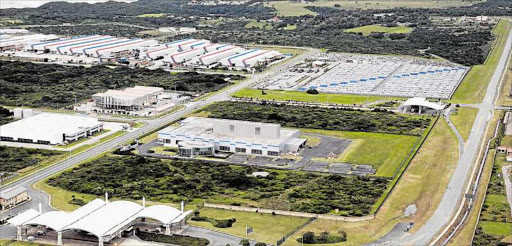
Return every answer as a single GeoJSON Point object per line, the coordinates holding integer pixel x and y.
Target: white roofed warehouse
{"type": "Point", "coordinates": [129, 99]}
{"type": "Point", "coordinates": [420, 105]}
{"type": "Point", "coordinates": [49, 128]}
{"type": "Point", "coordinates": [201, 136]}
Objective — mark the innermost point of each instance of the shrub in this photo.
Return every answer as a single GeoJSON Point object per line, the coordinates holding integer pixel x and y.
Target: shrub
{"type": "Point", "coordinates": [312, 91]}
{"type": "Point", "coordinates": [324, 238]}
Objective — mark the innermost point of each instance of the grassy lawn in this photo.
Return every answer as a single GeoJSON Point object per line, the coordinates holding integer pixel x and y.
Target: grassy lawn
{"type": "Point", "coordinates": [472, 88]}
{"type": "Point", "coordinates": [366, 30]}
{"type": "Point", "coordinates": [304, 97]}
{"type": "Point", "coordinates": [267, 228]}
{"type": "Point", "coordinates": [287, 8]}
{"type": "Point", "coordinates": [504, 97]}
{"type": "Point", "coordinates": [496, 228]}
{"type": "Point", "coordinates": [148, 138]}
{"type": "Point", "coordinates": [259, 24]}
{"type": "Point", "coordinates": [164, 151]}
{"type": "Point", "coordinates": [290, 27]}
{"type": "Point", "coordinates": [427, 175]}
{"type": "Point", "coordinates": [463, 120]}
{"type": "Point", "coordinates": [60, 198]}
{"type": "Point", "coordinates": [367, 149]}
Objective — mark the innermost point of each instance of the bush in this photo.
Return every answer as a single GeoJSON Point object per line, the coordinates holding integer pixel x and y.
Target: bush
{"type": "Point", "coordinates": [324, 238]}
{"type": "Point", "coordinates": [173, 239]}
{"type": "Point", "coordinates": [219, 223]}
{"type": "Point", "coordinates": [245, 242]}
{"type": "Point", "coordinates": [312, 91]}
{"type": "Point", "coordinates": [260, 244]}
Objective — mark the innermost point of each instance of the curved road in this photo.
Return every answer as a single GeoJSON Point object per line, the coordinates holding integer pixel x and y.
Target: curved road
{"type": "Point", "coordinates": [456, 187]}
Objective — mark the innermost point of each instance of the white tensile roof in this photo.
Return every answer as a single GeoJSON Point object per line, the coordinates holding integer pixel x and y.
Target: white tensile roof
{"type": "Point", "coordinates": [98, 217]}
{"type": "Point", "coordinates": [421, 101]}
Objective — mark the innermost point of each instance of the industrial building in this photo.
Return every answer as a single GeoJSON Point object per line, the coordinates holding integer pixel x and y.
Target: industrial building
{"type": "Point", "coordinates": [251, 58]}
{"type": "Point", "coordinates": [216, 55]}
{"type": "Point", "coordinates": [12, 197]}
{"type": "Point", "coordinates": [129, 99]}
{"type": "Point", "coordinates": [50, 128]}
{"type": "Point", "coordinates": [183, 56]}
{"type": "Point", "coordinates": [104, 220]}
{"type": "Point", "coordinates": [202, 136]}
{"type": "Point", "coordinates": [20, 42]}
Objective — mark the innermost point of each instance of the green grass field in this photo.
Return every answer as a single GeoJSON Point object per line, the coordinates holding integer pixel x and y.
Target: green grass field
{"type": "Point", "coordinates": [304, 97]}
{"type": "Point", "coordinates": [267, 228]}
{"type": "Point", "coordinates": [366, 148]}
{"type": "Point", "coordinates": [472, 88]}
{"type": "Point", "coordinates": [496, 228]}
{"type": "Point", "coordinates": [463, 120]}
{"type": "Point", "coordinates": [287, 8]}
{"type": "Point", "coordinates": [259, 24]}
{"type": "Point", "coordinates": [366, 30]}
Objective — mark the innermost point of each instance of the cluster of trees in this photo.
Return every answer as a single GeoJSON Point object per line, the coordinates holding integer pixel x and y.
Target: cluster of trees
{"type": "Point", "coordinates": [113, 29]}
{"type": "Point", "coordinates": [63, 12]}
{"type": "Point", "coordinates": [165, 180]}
{"type": "Point", "coordinates": [219, 223]}
{"type": "Point", "coordinates": [320, 118]}
{"type": "Point", "coordinates": [174, 239]}
{"type": "Point", "coordinates": [5, 116]}
{"type": "Point", "coordinates": [52, 85]}
{"type": "Point", "coordinates": [324, 238]}
{"type": "Point", "coordinates": [14, 159]}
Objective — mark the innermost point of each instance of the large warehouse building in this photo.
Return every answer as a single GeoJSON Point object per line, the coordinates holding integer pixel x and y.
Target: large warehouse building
{"type": "Point", "coordinates": [19, 42]}
{"type": "Point", "coordinates": [129, 99]}
{"type": "Point", "coordinates": [48, 128]}
{"type": "Point", "coordinates": [250, 58]}
{"type": "Point", "coordinates": [201, 136]}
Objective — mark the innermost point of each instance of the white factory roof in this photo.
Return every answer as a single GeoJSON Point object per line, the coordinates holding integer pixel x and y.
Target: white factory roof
{"type": "Point", "coordinates": [12, 192]}
{"type": "Point", "coordinates": [98, 217]}
{"type": "Point", "coordinates": [46, 126]}
{"type": "Point", "coordinates": [202, 128]}
{"type": "Point", "coordinates": [421, 101]}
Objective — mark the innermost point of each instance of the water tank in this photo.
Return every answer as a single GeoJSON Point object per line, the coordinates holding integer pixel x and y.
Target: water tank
{"type": "Point", "coordinates": [18, 113]}
{"type": "Point", "coordinates": [28, 112]}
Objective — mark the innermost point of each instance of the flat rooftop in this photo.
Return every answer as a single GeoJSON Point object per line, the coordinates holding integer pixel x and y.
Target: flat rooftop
{"type": "Point", "coordinates": [202, 128]}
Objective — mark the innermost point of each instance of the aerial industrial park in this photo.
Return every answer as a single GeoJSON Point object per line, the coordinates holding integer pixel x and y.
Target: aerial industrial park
{"type": "Point", "coordinates": [201, 123]}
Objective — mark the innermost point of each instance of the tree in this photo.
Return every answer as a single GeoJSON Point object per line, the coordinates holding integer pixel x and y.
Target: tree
{"type": "Point", "coordinates": [308, 237]}
{"type": "Point", "coordinates": [260, 244]}
{"type": "Point", "coordinates": [312, 91]}
{"type": "Point", "coordinates": [245, 242]}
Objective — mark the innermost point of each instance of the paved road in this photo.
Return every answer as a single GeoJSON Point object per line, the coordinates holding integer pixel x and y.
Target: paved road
{"type": "Point", "coordinates": [456, 188]}
{"type": "Point", "coordinates": [215, 238]}
{"type": "Point", "coordinates": [40, 197]}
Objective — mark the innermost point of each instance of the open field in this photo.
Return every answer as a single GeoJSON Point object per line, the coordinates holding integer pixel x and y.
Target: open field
{"type": "Point", "coordinates": [286, 8]}
{"type": "Point", "coordinates": [420, 185]}
{"type": "Point", "coordinates": [463, 120]}
{"type": "Point", "coordinates": [268, 228]}
{"type": "Point", "coordinates": [367, 149]}
{"type": "Point", "coordinates": [504, 98]}
{"type": "Point", "coordinates": [496, 228]}
{"type": "Point", "coordinates": [304, 97]}
{"type": "Point", "coordinates": [259, 24]}
{"type": "Point", "coordinates": [366, 30]}
{"type": "Point", "coordinates": [473, 86]}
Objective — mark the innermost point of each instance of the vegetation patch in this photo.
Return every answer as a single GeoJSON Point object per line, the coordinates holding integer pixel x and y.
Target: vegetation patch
{"type": "Point", "coordinates": [219, 223]}
{"type": "Point", "coordinates": [259, 24]}
{"type": "Point", "coordinates": [6, 116]}
{"type": "Point", "coordinates": [324, 238]}
{"type": "Point", "coordinates": [366, 30]}
{"type": "Point", "coordinates": [52, 85]}
{"type": "Point", "coordinates": [173, 239]}
{"type": "Point", "coordinates": [175, 180]}
{"type": "Point", "coordinates": [463, 120]}
{"type": "Point", "coordinates": [18, 159]}
{"type": "Point", "coordinates": [320, 118]}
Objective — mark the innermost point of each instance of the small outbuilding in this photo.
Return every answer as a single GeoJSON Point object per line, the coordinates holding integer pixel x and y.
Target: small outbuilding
{"type": "Point", "coordinates": [420, 105]}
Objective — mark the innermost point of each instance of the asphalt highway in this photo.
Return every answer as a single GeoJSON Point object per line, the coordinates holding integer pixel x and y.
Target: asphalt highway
{"type": "Point", "coordinates": [456, 187]}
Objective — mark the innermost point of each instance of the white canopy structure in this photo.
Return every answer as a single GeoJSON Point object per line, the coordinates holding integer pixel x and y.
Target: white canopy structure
{"type": "Point", "coordinates": [101, 218]}
{"type": "Point", "coordinates": [421, 104]}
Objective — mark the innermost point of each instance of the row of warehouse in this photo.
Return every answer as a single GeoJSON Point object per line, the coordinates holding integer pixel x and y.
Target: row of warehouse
{"type": "Point", "coordinates": [186, 52]}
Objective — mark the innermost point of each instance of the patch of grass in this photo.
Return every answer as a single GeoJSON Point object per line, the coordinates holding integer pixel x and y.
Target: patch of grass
{"type": "Point", "coordinates": [259, 24]}
{"type": "Point", "coordinates": [289, 27]}
{"type": "Point", "coordinates": [496, 228]}
{"type": "Point", "coordinates": [311, 140]}
{"type": "Point", "coordinates": [285, 8]}
{"type": "Point", "coordinates": [366, 30]}
{"type": "Point", "coordinates": [164, 151]}
{"type": "Point", "coordinates": [505, 97]}
{"type": "Point", "coordinates": [111, 136]}
{"type": "Point", "coordinates": [427, 175]}
{"type": "Point", "coordinates": [59, 198]}
{"type": "Point", "coordinates": [304, 97]}
{"type": "Point", "coordinates": [267, 228]}
{"type": "Point", "coordinates": [369, 149]}
{"type": "Point", "coordinates": [148, 138]}
{"type": "Point", "coordinates": [473, 86]}
{"type": "Point", "coordinates": [463, 120]}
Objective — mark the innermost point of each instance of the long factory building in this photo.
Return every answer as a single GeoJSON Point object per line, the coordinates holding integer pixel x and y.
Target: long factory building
{"type": "Point", "coordinates": [128, 99]}
{"type": "Point", "coordinates": [185, 52]}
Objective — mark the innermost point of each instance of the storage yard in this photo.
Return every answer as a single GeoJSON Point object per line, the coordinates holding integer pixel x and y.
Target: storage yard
{"type": "Point", "coordinates": [371, 75]}
{"type": "Point", "coordinates": [93, 49]}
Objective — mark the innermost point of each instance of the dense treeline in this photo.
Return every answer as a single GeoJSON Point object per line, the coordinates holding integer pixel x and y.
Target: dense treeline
{"type": "Point", "coordinates": [52, 85]}
{"type": "Point", "coordinates": [100, 29]}
{"type": "Point", "coordinates": [14, 159]}
{"type": "Point", "coordinates": [319, 118]}
{"type": "Point", "coordinates": [5, 116]}
{"type": "Point", "coordinates": [159, 180]}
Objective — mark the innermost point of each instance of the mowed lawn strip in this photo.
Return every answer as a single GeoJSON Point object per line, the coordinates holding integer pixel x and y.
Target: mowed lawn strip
{"type": "Point", "coordinates": [496, 228]}
{"type": "Point", "coordinates": [473, 86]}
{"type": "Point", "coordinates": [304, 97]}
{"type": "Point", "coordinates": [422, 184]}
{"type": "Point", "coordinates": [268, 228]}
{"type": "Point", "coordinates": [463, 120]}
{"type": "Point", "coordinates": [384, 151]}
{"type": "Point", "coordinates": [366, 30]}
